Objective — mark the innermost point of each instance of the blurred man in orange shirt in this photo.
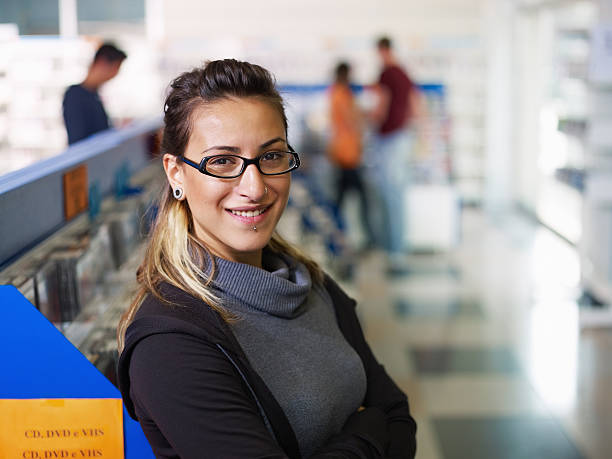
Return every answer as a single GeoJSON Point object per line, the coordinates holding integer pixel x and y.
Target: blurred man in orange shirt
{"type": "Point", "coordinates": [345, 146]}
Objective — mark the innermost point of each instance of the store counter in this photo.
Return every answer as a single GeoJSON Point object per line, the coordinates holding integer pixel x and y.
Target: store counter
{"type": "Point", "coordinates": [71, 231]}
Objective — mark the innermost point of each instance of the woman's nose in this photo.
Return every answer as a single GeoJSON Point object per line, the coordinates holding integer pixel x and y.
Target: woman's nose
{"type": "Point", "coordinates": [252, 184]}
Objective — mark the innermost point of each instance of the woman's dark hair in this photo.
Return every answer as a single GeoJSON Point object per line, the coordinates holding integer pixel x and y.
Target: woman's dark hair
{"type": "Point", "coordinates": [216, 80]}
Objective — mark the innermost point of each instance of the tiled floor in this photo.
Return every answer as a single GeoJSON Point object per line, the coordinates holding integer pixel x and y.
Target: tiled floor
{"type": "Point", "coordinates": [486, 342]}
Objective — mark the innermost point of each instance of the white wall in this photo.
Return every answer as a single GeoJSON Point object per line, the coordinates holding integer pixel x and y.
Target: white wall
{"type": "Point", "coordinates": [293, 20]}
{"type": "Point", "coordinates": [300, 41]}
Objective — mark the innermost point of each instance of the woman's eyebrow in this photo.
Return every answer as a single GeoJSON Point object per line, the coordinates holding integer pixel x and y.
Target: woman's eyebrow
{"type": "Point", "coordinates": [272, 141]}
{"type": "Point", "coordinates": [223, 147]}
{"type": "Point", "coordinates": [236, 150]}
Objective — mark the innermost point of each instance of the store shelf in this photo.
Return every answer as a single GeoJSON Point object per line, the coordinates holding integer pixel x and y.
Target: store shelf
{"type": "Point", "coordinates": [85, 297]}
{"type": "Point", "coordinates": [559, 206]}
{"type": "Point", "coordinates": [572, 177]}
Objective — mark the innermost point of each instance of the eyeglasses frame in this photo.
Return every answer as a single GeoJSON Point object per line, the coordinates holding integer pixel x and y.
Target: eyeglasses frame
{"type": "Point", "coordinates": [201, 167]}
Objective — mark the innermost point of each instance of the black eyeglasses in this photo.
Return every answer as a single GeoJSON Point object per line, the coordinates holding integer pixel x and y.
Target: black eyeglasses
{"type": "Point", "coordinates": [232, 166]}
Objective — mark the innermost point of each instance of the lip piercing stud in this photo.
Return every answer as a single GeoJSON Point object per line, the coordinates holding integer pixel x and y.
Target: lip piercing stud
{"type": "Point", "coordinates": [254, 228]}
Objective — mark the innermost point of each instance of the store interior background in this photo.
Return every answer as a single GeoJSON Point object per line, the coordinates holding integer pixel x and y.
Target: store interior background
{"type": "Point", "coordinates": [521, 132]}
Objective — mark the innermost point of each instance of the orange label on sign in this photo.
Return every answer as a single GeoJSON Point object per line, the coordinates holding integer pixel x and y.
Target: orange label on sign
{"type": "Point", "coordinates": [61, 428]}
{"type": "Point", "coordinates": [75, 191]}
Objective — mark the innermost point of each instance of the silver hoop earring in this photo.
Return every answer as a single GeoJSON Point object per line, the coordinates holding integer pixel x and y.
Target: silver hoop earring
{"type": "Point", "coordinates": [178, 193]}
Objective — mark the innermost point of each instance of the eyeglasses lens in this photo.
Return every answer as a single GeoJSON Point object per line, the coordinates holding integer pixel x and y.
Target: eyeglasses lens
{"type": "Point", "coordinates": [274, 162]}
{"type": "Point", "coordinates": [224, 165]}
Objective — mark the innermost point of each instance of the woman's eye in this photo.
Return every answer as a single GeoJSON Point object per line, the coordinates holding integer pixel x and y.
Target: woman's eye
{"type": "Point", "coordinates": [222, 161]}
{"type": "Point", "coordinates": [272, 155]}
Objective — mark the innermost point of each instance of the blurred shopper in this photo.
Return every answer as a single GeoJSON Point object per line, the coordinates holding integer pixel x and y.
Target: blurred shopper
{"type": "Point", "coordinates": [345, 146]}
{"type": "Point", "coordinates": [237, 345]}
{"type": "Point", "coordinates": [393, 115]}
{"type": "Point", "coordinates": [84, 113]}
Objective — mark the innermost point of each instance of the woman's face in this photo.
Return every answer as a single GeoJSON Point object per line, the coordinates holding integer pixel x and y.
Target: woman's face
{"type": "Point", "coordinates": [246, 127]}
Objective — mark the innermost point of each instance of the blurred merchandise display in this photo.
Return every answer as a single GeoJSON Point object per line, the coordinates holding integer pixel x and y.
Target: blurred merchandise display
{"type": "Point", "coordinates": [80, 278]}
{"type": "Point", "coordinates": [125, 234]}
{"type": "Point", "coordinates": [462, 122]}
{"type": "Point", "coordinates": [564, 125]}
{"type": "Point", "coordinates": [431, 154]}
{"type": "Point", "coordinates": [564, 121]}
{"type": "Point", "coordinates": [436, 190]}
{"type": "Point", "coordinates": [596, 244]}
{"type": "Point", "coordinates": [312, 222]}
{"type": "Point", "coordinates": [38, 70]}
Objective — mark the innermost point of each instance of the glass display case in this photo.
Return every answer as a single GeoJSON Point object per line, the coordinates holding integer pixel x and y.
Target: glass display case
{"type": "Point", "coordinates": [564, 121]}
{"type": "Point", "coordinates": [81, 279]}
{"type": "Point", "coordinates": [596, 246]}
{"type": "Point", "coordinates": [553, 105]}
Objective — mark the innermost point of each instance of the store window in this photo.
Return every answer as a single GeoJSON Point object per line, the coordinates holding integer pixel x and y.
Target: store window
{"type": "Point", "coordinates": [111, 10]}
{"type": "Point", "coordinates": [95, 17]}
{"type": "Point", "coordinates": [33, 17]}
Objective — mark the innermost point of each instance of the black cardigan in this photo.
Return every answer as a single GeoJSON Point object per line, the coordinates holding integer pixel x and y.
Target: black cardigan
{"type": "Point", "coordinates": [195, 394]}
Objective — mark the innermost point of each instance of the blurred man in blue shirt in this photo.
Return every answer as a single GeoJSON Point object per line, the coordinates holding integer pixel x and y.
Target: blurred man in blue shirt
{"type": "Point", "coordinates": [84, 113]}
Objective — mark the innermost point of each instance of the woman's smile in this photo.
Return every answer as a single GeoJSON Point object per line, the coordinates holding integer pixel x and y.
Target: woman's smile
{"type": "Point", "coordinates": [252, 215]}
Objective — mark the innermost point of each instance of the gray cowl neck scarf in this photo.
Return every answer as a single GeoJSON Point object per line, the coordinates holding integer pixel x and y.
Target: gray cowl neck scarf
{"type": "Point", "coordinates": [279, 289]}
{"type": "Point", "coordinates": [314, 374]}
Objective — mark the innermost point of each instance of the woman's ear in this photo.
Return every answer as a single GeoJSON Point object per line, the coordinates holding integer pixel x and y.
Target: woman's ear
{"type": "Point", "coordinates": [174, 171]}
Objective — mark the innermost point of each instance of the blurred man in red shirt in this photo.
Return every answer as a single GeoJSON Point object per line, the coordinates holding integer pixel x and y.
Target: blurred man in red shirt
{"type": "Point", "coordinates": [393, 115]}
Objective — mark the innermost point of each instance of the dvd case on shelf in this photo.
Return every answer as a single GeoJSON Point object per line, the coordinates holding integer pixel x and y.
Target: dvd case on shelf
{"type": "Point", "coordinates": [48, 293]}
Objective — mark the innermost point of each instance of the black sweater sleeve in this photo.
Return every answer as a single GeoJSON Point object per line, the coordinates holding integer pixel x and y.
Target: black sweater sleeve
{"type": "Point", "coordinates": [382, 392]}
{"type": "Point", "coordinates": [191, 402]}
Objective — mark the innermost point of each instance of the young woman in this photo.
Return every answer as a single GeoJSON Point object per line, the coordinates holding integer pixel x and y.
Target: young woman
{"type": "Point", "coordinates": [236, 344]}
